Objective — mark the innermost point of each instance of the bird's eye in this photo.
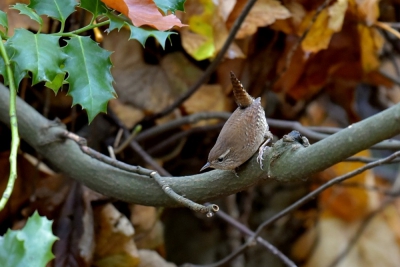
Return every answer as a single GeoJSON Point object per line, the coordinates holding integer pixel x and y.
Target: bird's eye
{"type": "Point", "coordinates": [220, 159]}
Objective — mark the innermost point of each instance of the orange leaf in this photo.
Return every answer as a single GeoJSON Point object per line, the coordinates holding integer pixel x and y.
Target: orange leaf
{"type": "Point", "coordinates": [144, 12]}
{"type": "Point", "coordinates": [263, 13]}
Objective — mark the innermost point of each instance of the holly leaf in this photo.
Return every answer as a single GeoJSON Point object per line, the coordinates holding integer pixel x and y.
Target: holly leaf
{"type": "Point", "coordinates": [96, 7]}
{"type": "Point", "coordinates": [90, 80]}
{"type": "Point", "coordinates": [30, 246]}
{"type": "Point", "coordinates": [56, 84]}
{"type": "Point", "coordinates": [25, 10]}
{"type": "Point", "coordinates": [4, 20]}
{"type": "Point", "coordinates": [116, 22]}
{"type": "Point", "coordinates": [171, 5]}
{"type": "Point", "coordinates": [141, 34]}
{"type": "Point", "coordinates": [57, 9]}
{"type": "Point", "coordinates": [43, 56]}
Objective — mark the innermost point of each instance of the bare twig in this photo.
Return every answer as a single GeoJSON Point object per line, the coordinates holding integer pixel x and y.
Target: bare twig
{"type": "Point", "coordinates": [132, 136]}
{"type": "Point", "coordinates": [260, 240]}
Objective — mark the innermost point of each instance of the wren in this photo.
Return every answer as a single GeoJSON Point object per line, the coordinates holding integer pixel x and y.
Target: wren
{"type": "Point", "coordinates": [242, 134]}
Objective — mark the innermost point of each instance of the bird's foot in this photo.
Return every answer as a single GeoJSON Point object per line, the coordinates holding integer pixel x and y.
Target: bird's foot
{"type": "Point", "coordinates": [261, 151]}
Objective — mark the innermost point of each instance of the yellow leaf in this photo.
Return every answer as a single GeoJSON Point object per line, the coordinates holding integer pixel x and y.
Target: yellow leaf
{"type": "Point", "coordinates": [371, 43]}
{"type": "Point", "coordinates": [207, 31]}
{"type": "Point", "coordinates": [319, 36]}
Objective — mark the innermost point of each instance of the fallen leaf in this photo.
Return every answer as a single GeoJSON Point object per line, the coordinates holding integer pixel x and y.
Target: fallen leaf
{"type": "Point", "coordinates": [371, 43]}
{"type": "Point", "coordinates": [369, 9]}
{"type": "Point", "coordinates": [209, 97]}
{"type": "Point", "coordinates": [263, 13]}
{"type": "Point", "coordinates": [114, 238]}
{"type": "Point", "coordinates": [336, 15]}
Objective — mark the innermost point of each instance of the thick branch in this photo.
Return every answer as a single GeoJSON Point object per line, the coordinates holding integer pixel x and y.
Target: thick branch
{"type": "Point", "coordinates": [67, 157]}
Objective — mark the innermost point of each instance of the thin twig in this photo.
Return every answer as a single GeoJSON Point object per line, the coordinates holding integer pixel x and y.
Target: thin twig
{"type": "Point", "coordinates": [179, 136]}
{"type": "Point", "coordinates": [387, 27]}
{"type": "Point", "coordinates": [14, 127]}
{"type": "Point", "coordinates": [127, 141]}
{"type": "Point", "coordinates": [259, 239]}
{"type": "Point", "coordinates": [211, 67]}
{"type": "Point", "coordinates": [209, 209]}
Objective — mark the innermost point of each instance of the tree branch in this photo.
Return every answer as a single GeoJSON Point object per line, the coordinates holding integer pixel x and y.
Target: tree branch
{"type": "Point", "coordinates": [66, 157]}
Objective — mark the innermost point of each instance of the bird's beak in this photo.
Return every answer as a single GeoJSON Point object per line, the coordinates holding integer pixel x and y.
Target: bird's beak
{"type": "Point", "coordinates": [205, 166]}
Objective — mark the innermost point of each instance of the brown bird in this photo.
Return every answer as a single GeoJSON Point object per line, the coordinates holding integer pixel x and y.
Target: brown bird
{"type": "Point", "coordinates": [242, 134]}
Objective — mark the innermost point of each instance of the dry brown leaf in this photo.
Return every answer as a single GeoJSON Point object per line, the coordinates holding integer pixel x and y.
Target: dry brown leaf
{"type": "Point", "coordinates": [144, 12]}
{"type": "Point", "coordinates": [128, 115]}
{"type": "Point", "coordinates": [142, 85]}
{"type": "Point", "coordinates": [114, 239]}
{"type": "Point", "coordinates": [263, 13]}
{"type": "Point", "coordinates": [209, 97]}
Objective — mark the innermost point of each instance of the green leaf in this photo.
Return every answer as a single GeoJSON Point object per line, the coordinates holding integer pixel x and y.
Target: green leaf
{"type": "Point", "coordinates": [89, 76]}
{"type": "Point", "coordinates": [141, 34]}
{"type": "Point", "coordinates": [171, 5]}
{"type": "Point", "coordinates": [56, 83]}
{"type": "Point", "coordinates": [4, 20]}
{"type": "Point", "coordinates": [57, 9]}
{"type": "Point", "coordinates": [17, 72]}
{"type": "Point", "coordinates": [30, 246]}
{"type": "Point", "coordinates": [116, 22]}
{"type": "Point", "coordinates": [25, 10]}
{"type": "Point", "coordinates": [43, 56]}
{"type": "Point", "coordinates": [96, 7]}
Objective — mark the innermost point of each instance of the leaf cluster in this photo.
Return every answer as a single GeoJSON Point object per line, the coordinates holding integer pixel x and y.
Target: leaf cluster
{"type": "Point", "coordinates": [82, 63]}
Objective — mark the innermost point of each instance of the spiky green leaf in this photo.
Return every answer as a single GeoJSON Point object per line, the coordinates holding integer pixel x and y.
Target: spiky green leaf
{"type": "Point", "coordinates": [25, 10]}
{"type": "Point", "coordinates": [116, 22]}
{"type": "Point", "coordinates": [57, 9]}
{"type": "Point", "coordinates": [90, 80]}
{"type": "Point", "coordinates": [141, 34]}
{"type": "Point", "coordinates": [3, 20]}
{"type": "Point", "coordinates": [56, 84]}
{"type": "Point", "coordinates": [96, 7]}
{"type": "Point", "coordinates": [171, 5]}
{"type": "Point", "coordinates": [43, 56]}
{"type": "Point", "coordinates": [30, 246]}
